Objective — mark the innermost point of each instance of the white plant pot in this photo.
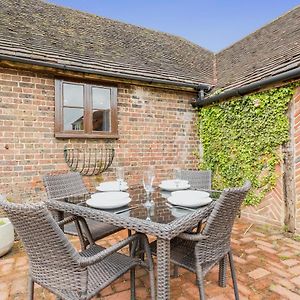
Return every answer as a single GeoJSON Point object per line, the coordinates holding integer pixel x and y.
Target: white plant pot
{"type": "Point", "coordinates": [7, 236]}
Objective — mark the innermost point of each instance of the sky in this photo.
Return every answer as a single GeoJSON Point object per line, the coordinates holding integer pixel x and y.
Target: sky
{"type": "Point", "coordinates": [212, 24]}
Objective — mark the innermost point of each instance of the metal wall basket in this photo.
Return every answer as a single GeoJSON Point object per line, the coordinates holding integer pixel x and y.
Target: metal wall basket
{"type": "Point", "coordinates": [89, 161]}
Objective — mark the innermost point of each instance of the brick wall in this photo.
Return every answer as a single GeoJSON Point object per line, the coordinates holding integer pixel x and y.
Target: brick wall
{"type": "Point", "coordinates": [156, 127]}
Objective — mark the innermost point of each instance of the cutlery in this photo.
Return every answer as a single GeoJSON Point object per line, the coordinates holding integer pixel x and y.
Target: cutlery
{"type": "Point", "coordinates": [126, 209]}
{"type": "Point", "coordinates": [179, 206]}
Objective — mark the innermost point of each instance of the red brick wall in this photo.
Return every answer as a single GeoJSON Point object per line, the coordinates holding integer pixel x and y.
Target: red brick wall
{"type": "Point", "coordinates": [156, 127]}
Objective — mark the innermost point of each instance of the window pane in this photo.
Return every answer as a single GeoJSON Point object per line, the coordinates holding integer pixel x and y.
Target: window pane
{"type": "Point", "coordinates": [73, 94]}
{"type": "Point", "coordinates": [101, 120]}
{"type": "Point", "coordinates": [101, 98]}
{"type": "Point", "coordinates": [73, 119]}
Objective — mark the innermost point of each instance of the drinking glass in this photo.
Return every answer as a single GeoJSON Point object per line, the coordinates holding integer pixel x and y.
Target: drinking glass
{"type": "Point", "coordinates": [177, 176]}
{"type": "Point", "coordinates": [148, 178]}
{"type": "Point", "coordinates": [120, 176]}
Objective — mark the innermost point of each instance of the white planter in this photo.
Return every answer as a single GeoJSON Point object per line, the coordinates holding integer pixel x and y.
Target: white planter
{"type": "Point", "coordinates": [6, 236]}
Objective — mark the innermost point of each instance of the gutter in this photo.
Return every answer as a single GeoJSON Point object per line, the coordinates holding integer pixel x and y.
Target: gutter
{"type": "Point", "coordinates": [196, 86]}
{"type": "Point", "coordinates": [246, 89]}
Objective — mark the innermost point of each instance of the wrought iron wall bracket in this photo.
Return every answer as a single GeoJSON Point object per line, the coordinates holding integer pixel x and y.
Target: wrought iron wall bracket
{"type": "Point", "coordinates": [89, 161]}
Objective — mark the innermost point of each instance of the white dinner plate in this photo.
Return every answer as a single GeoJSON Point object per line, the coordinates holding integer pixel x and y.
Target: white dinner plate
{"type": "Point", "coordinates": [108, 196]}
{"type": "Point", "coordinates": [174, 181]}
{"type": "Point", "coordinates": [174, 188]}
{"type": "Point", "coordinates": [97, 202]}
{"type": "Point", "coordinates": [190, 194]}
{"type": "Point", "coordinates": [174, 185]}
{"type": "Point", "coordinates": [112, 186]}
{"type": "Point", "coordinates": [189, 198]}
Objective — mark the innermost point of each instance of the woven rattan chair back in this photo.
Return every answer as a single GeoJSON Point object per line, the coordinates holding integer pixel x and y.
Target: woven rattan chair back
{"type": "Point", "coordinates": [64, 185]}
{"type": "Point", "coordinates": [197, 179]}
{"type": "Point", "coordinates": [52, 257]}
{"type": "Point", "coordinates": [219, 224]}
{"type": "Point", "coordinates": [71, 186]}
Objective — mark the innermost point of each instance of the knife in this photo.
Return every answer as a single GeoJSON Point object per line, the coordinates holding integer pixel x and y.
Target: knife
{"type": "Point", "coordinates": [126, 209]}
{"type": "Point", "coordinates": [179, 206]}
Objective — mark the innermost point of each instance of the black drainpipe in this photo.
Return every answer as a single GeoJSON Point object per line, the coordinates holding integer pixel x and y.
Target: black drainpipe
{"type": "Point", "coordinates": [240, 91]}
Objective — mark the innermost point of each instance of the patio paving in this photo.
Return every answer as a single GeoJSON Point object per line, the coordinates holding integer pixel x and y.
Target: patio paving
{"type": "Point", "coordinates": [267, 265]}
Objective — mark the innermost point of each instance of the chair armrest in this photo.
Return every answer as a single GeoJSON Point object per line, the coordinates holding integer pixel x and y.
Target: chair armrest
{"type": "Point", "coordinates": [87, 261]}
{"type": "Point", "coordinates": [192, 236]}
{"type": "Point", "coordinates": [67, 220]}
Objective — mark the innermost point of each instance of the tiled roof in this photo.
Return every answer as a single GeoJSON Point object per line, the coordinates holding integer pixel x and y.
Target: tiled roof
{"type": "Point", "coordinates": [44, 32]}
{"type": "Point", "coordinates": [273, 49]}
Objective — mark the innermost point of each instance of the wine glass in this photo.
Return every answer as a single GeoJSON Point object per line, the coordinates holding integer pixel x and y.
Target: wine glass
{"type": "Point", "coordinates": [177, 176]}
{"type": "Point", "coordinates": [120, 176]}
{"type": "Point", "coordinates": [148, 178]}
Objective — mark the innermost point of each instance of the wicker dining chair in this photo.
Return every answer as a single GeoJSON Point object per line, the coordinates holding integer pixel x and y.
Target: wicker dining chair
{"type": "Point", "coordinates": [199, 180]}
{"type": "Point", "coordinates": [196, 179]}
{"type": "Point", "coordinates": [58, 267]}
{"type": "Point", "coordinates": [71, 186]}
{"type": "Point", "coordinates": [199, 252]}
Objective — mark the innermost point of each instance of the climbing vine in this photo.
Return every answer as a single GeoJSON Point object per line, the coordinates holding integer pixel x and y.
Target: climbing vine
{"type": "Point", "coordinates": [241, 139]}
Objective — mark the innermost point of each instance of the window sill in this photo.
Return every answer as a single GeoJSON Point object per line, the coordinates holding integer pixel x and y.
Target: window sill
{"type": "Point", "coordinates": [68, 135]}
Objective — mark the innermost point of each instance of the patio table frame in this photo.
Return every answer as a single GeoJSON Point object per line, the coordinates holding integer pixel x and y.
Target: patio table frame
{"type": "Point", "coordinates": [163, 232]}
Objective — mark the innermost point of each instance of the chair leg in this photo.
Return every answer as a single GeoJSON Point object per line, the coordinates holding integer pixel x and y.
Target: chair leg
{"type": "Point", "coordinates": [200, 282]}
{"type": "Point", "coordinates": [80, 235]}
{"type": "Point", "coordinates": [233, 276]}
{"type": "Point", "coordinates": [175, 271]}
{"type": "Point", "coordinates": [87, 232]}
{"type": "Point", "coordinates": [152, 284]}
{"type": "Point", "coordinates": [132, 283]}
{"type": "Point", "coordinates": [30, 288]}
{"type": "Point", "coordinates": [129, 234]}
{"type": "Point", "coordinates": [222, 272]}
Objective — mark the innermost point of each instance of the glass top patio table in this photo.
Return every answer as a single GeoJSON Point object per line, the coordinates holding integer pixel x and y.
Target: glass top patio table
{"type": "Point", "coordinates": [160, 212]}
{"type": "Point", "coordinates": [161, 220]}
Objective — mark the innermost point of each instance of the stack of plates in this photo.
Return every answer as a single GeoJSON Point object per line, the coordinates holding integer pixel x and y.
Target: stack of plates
{"type": "Point", "coordinates": [189, 198]}
{"type": "Point", "coordinates": [112, 186]}
{"type": "Point", "coordinates": [174, 185]}
{"type": "Point", "coordinates": [108, 200]}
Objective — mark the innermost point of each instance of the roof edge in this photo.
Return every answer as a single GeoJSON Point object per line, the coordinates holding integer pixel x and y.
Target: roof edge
{"type": "Point", "coordinates": [147, 79]}
{"type": "Point", "coordinates": [249, 88]}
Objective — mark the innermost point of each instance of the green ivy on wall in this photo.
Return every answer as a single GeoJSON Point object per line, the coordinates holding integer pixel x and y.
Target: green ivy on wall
{"type": "Point", "coordinates": [241, 139]}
